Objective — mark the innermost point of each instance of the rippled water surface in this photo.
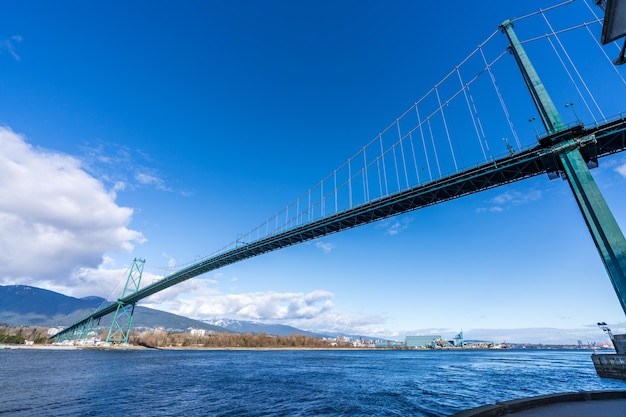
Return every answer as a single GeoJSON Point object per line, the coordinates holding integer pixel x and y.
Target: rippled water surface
{"type": "Point", "coordinates": [282, 383]}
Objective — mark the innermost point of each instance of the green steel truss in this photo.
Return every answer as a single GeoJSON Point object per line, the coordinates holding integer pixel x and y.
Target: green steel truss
{"type": "Point", "coordinates": [564, 152]}
{"type": "Point", "coordinates": [601, 140]}
{"type": "Point", "coordinates": [122, 321]}
{"type": "Point", "coordinates": [81, 332]}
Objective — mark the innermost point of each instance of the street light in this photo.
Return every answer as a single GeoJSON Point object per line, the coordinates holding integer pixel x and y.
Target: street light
{"type": "Point", "coordinates": [532, 122]}
{"type": "Point", "coordinates": [605, 329]}
{"type": "Point", "coordinates": [571, 105]}
{"type": "Point", "coordinates": [508, 146]}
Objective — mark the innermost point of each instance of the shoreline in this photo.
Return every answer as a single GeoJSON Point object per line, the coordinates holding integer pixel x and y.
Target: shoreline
{"type": "Point", "coordinates": [177, 348]}
{"type": "Point", "coordinates": [241, 348]}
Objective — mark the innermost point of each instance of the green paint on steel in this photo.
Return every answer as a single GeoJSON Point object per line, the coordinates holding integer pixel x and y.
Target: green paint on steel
{"type": "Point", "coordinates": [123, 319]}
{"type": "Point", "coordinates": [605, 231]}
{"type": "Point", "coordinates": [547, 111]}
{"type": "Point", "coordinates": [610, 138]}
{"type": "Point", "coordinates": [85, 330]}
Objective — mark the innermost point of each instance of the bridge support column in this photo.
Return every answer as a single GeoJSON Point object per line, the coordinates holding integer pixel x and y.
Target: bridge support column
{"type": "Point", "coordinates": [83, 331]}
{"type": "Point", "coordinates": [604, 230]}
{"type": "Point", "coordinates": [123, 319]}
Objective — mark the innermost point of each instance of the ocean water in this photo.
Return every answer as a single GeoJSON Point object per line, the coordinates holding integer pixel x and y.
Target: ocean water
{"type": "Point", "coordinates": [282, 383]}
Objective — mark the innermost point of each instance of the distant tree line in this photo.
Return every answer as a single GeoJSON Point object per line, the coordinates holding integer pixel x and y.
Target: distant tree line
{"type": "Point", "coordinates": [164, 339]}
{"type": "Point", "coordinates": [19, 335]}
{"type": "Point", "coordinates": [158, 339]}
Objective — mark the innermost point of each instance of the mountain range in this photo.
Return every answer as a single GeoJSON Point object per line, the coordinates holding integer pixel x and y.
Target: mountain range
{"type": "Point", "coordinates": [239, 326]}
{"type": "Point", "coordinates": [22, 305]}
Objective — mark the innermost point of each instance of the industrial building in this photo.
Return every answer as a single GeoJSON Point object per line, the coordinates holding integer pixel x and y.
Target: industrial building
{"type": "Point", "coordinates": [429, 341]}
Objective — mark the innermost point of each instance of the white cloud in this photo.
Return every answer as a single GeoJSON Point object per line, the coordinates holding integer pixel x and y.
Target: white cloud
{"type": "Point", "coordinates": [313, 311]}
{"type": "Point", "coordinates": [512, 197]}
{"type": "Point", "coordinates": [621, 170]}
{"type": "Point", "coordinates": [122, 167]}
{"type": "Point", "coordinates": [148, 179]}
{"type": "Point", "coordinates": [100, 281]}
{"type": "Point", "coordinates": [9, 46]}
{"type": "Point", "coordinates": [171, 262]}
{"type": "Point", "coordinates": [104, 280]}
{"type": "Point", "coordinates": [395, 225]}
{"type": "Point", "coordinates": [342, 322]}
{"type": "Point", "coordinates": [200, 301]}
{"type": "Point", "coordinates": [325, 247]}
{"type": "Point", "coordinates": [54, 217]}
{"type": "Point", "coordinates": [509, 199]}
{"type": "Point", "coordinates": [395, 228]}
{"type": "Point", "coordinates": [494, 209]}
{"type": "Point", "coordinates": [171, 299]}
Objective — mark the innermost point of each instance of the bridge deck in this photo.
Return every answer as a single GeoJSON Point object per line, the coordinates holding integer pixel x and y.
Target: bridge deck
{"type": "Point", "coordinates": [594, 142]}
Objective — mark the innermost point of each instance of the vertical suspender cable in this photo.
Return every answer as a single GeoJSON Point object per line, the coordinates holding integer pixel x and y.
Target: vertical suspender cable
{"type": "Point", "coordinates": [417, 172]}
{"type": "Point", "coordinates": [380, 180]}
{"type": "Point", "coordinates": [382, 157]}
{"type": "Point", "coordinates": [573, 65]}
{"type": "Point", "coordinates": [569, 74]}
{"type": "Point", "coordinates": [310, 209]}
{"type": "Point", "coordinates": [480, 125]}
{"type": "Point", "coordinates": [430, 174]}
{"type": "Point", "coordinates": [395, 163]}
{"type": "Point", "coordinates": [406, 175]}
{"type": "Point", "coordinates": [502, 104]}
{"type": "Point", "coordinates": [445, 125]}
{"type": "Point", "coordinates": [349, 184]}
{"type": "Point", "coordinates": [286, 218]}
{"type": "Point", "coordinates": [465, 88]}
{"type": "Point", "coordinates": [605, 55]}
{"type": "Point", "coordinates": [432, 139]}
{"type": "Point", "coordinates": [322, 212]}
{"type": "Point", "coordinates": [298, 212]}
{"type": "Point", "coordinates": [336, 191]}
{"type": "Point", "coordinates": [619, 48]}
{"type": "Point", "coordinates": [366, 191]}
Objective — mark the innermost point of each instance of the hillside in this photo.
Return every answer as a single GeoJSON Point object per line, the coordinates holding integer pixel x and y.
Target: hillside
{"type": "Point", "coordinates": [22, 305]}
{"type": "Point", "coordinates": [240, 326]}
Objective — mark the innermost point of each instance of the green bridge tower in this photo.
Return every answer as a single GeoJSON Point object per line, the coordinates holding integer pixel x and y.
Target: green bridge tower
{"type": "Point", "coordinates": [123, 319]}
{"type": "Point", "coordinates": [566, 145]}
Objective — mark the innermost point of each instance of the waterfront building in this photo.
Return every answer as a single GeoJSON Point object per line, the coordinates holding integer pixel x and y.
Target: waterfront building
{"type": "Point", "coordinates": [429, 341]}
{"type": "Point", "coordinates": [197, 332]}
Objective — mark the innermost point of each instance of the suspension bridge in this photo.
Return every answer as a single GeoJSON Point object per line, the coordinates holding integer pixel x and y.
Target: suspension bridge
{"type": "Point", "coordinates": [476, 129]}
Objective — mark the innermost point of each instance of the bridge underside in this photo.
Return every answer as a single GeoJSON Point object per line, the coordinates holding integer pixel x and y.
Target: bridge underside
{"type": "Point", "coordinates": [593, 143]}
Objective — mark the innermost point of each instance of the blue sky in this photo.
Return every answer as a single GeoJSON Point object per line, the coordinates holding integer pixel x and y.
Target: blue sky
{"type": "Point", "coordinates": [163, 130]}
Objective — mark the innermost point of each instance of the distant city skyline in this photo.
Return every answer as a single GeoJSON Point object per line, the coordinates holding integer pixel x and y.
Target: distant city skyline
{"type": "Point", "coordinates": [164, 131]}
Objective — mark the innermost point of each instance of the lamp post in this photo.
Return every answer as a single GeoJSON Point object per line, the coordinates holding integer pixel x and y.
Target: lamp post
{"type": "Point", "coordinates": [532, 122]}
{"type": "Point", "coordinates": [508, 147]}
{"type": "Point", "coordinates": [571, 105]}
{"type": "Point", "coordinates": [605, 329]}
